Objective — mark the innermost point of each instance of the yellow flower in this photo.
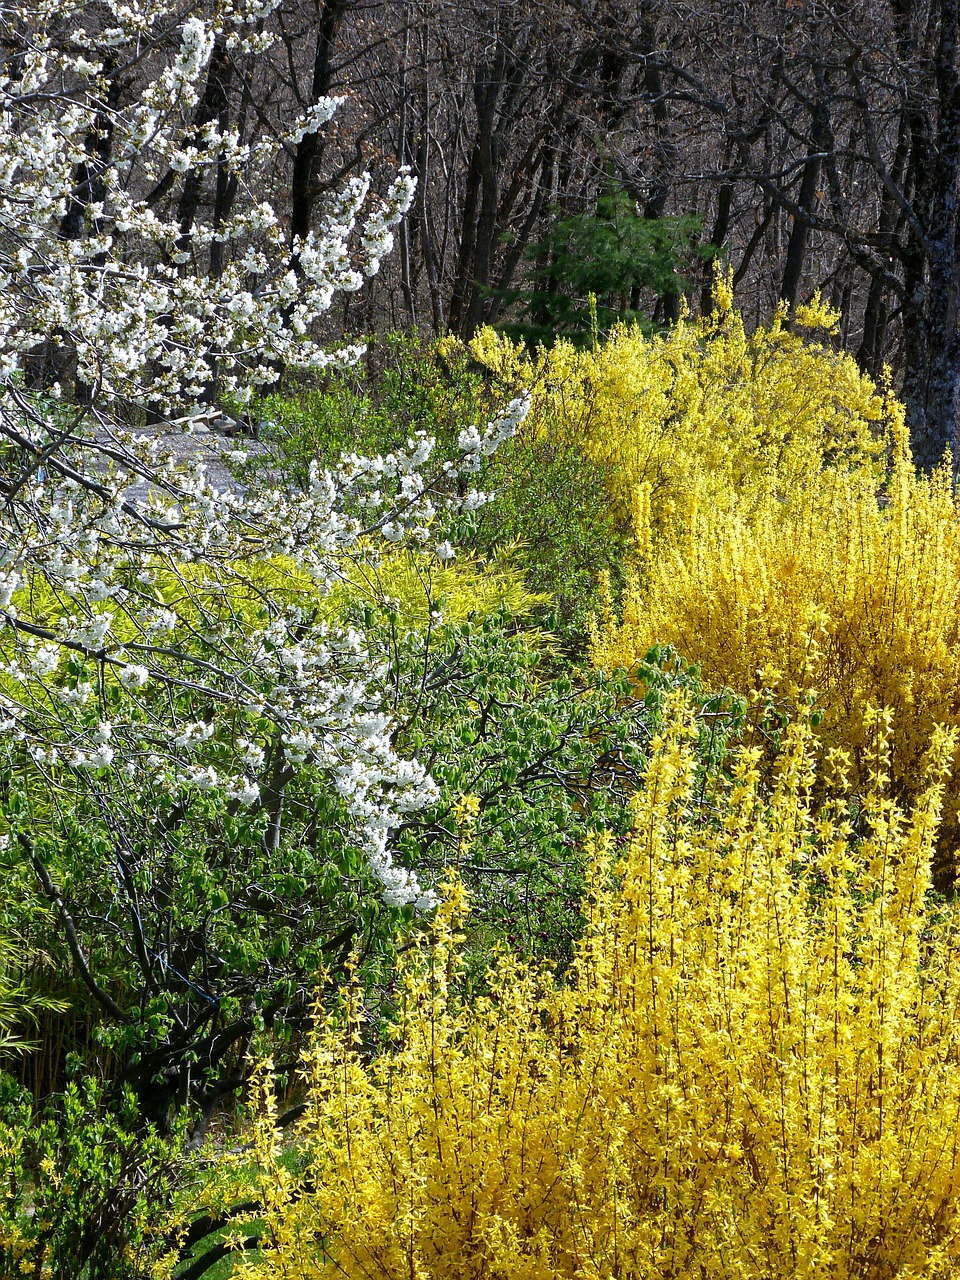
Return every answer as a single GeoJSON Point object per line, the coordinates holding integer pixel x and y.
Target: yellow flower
{"type": "Point", "coordinates": [749, 1073]}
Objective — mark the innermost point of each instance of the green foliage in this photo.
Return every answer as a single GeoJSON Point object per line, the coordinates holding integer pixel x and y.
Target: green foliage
{"type": "Point", "coordinates": [611, 254]}
{"type": "Point", "coordinates": [198, 920]}
{"type": "Point", "coordinates": [86, 1194]}
{"type": "Point", "coordinates": [553, 514]}
{"type": "Point", "coordinates": [23, 967]}
{"type": "Point", "coordinates": [206, 921]}
{"type": "Point", "coordinates": [529, 761]}
{"type": "Point", "coordinates": [468, 587]}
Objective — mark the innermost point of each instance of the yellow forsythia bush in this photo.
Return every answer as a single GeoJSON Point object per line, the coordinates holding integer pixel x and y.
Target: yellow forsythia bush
{"type": "Point", "coordinates": [833, 590]}
{"type": "Point", "coordinates": [705, 414]}
{"type": "Point", "coordinates": [751, 1073]}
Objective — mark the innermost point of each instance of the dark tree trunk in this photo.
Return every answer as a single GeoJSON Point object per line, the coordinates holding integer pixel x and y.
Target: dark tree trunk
{"type": "Point", "coordinates": [932, 258]}
{"type": "Point", "coordinates": [800, 231]}
{"type": "Point", "coordinates": [475, 265]}
{"type": "Point", "coordinates": [304, 191]}
{"type": "Point", "coordinates": [212, 106]}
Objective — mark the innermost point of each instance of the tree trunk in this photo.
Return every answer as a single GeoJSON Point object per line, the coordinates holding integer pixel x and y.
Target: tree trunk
{"type": "Point", "coordinates": [211, 106]}
{"type": "Point", "coordinates": [932, 259]}
{"type": "Point", "coordinates": [800, 231]}
{"type": "Point", "coordinates": [475, 268]}
{"type": "Point", "coordinates": [306, 163]}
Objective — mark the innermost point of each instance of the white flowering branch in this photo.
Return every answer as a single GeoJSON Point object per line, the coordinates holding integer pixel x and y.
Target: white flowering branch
{"type": "Point", "coordinates": [146, 595]}
{"type": "Point", "coordinates": [89, 262]}
{"type": "Point", "coordinates": [176, 663]}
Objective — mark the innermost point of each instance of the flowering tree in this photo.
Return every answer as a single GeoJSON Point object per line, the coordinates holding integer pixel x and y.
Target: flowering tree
{"type": "Point", "coordinates": [196, 766]}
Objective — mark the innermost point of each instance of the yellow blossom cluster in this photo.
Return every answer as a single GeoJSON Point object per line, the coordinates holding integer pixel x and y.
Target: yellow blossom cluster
{"type": "Point", "coordinates": [705, 414]}
{"type": "Point", "coordinates": [750, 1074]}
{"type": "Point", "coordinates": [842, 589]}
{"type": "Point", "coordinates": [856, 598]}
{"type": "Point", "coordinates": [782, 539]}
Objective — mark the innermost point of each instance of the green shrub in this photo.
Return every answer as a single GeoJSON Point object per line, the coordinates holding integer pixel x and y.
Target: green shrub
{"type": "Point", "coordinates": [529, 761]}
{"type": "Point", "coordinates": [86, 1194]}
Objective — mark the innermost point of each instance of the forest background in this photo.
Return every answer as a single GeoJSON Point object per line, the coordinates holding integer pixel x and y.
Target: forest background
{"type": "Point", "coordinates": [523, 746]}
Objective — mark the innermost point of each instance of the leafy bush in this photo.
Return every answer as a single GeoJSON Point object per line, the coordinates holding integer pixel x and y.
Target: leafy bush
{"type": "Point", "coordinates": [25, 995]}
{"type": "Point", "coordinates": [705, 414]}
{"type": "Point", "coordinates": [553, 518]}
{"type": "Point", "coordinates": [467, 588]}
{"type": "Point", "coordinates": [528, 761]}
{"type": "Point", "coordinates": [832, 591]}
{"type": "Point", "coordinates": [752, 1074]}
{"type": "Point", "coordinates": [366, 409]}
{"type": "Point", "coordinates": [83, 1193]}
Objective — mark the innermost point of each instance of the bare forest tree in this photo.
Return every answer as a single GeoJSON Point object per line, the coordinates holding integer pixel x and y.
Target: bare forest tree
{"type": "Point", "coordinates": [818, 144]}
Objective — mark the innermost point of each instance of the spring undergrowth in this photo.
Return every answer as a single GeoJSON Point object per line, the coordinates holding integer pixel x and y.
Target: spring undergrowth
{"type": "Point", "coordinates": [751, 1071]}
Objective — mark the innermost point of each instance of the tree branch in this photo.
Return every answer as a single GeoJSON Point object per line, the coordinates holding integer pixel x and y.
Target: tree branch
{"type": "Point", "coordinates": [55, 899]}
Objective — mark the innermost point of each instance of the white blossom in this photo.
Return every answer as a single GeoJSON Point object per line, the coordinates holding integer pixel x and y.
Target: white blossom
{"type": "Point", "coordinates": [133, 676]}
{"type": "Point", "coordinates": [102, 758]}
{"type": "Point", "coordinates": [316, 116]}
{"type": "Point", "coordinates": [154, 538]}
{"type": "Point", "coordinates": [45, 659]}
{"type": "Point", "coordinates": [244, 791]}
{"type": "Point", "coordinates": [92, 633]}
{"type": "Point", "coordinates": [9, 581]}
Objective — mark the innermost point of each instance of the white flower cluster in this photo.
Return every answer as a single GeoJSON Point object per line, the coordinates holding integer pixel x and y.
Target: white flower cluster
{"type": "Point", "coordinates": [149, 596]}
{"type": "Point", "coordinates": [313, 119]}
{"type": "Point", "coordinates": [121, 294]}
{"type": "Point", "coordinates": [478, 444]}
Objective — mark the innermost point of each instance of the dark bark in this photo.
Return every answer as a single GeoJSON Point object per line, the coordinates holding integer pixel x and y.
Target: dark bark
{"type": "Point", "coordinates": [212, 106]}
{"type": "Point", "coordinates": [480, 205]}
{"type": "Point", "coordinates": [809, 184]}
{"type": "Point", "coordinates": [870, 355]}
{"type": "Point", "coordinates": [931, 254]}
{"type": "Point", "coordinates": [304, 190]}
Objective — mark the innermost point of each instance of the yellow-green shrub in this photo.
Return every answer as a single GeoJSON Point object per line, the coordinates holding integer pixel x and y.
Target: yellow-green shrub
{"type": "Point", "coordinates": [834, 591]}
{"type": "Point", "coordinates": [207, 594]}
{"type": "Point", "coordinates": [705, 414]}
{"type": "Point", "coordinates": [463, 588]}
{"type": "Point", "coordinates": [752, 1075]}
{"type": "Point", "coordinates": [467, 588]}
